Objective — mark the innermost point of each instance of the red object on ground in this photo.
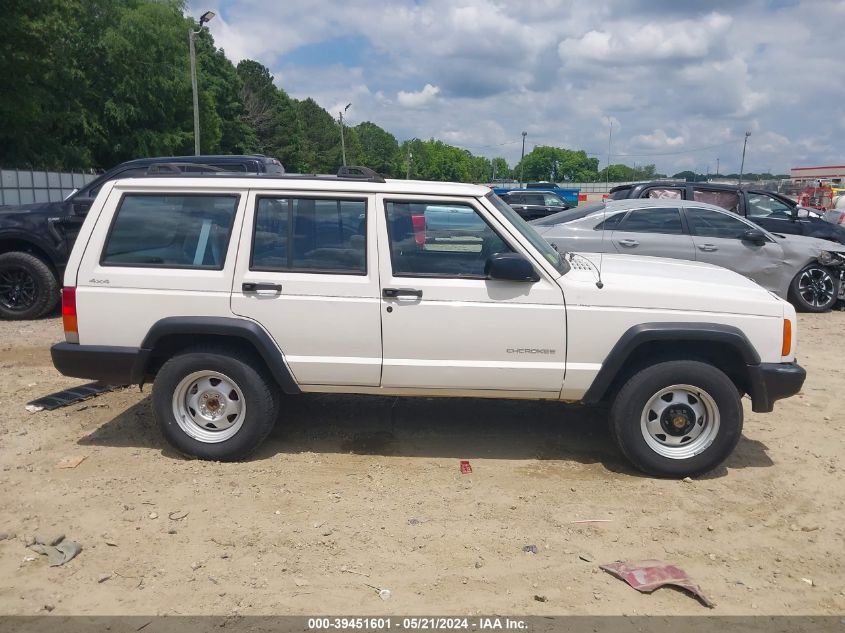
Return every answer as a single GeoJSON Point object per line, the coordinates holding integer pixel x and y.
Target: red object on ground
{"type": "Point", "coordinates": [648, 575]}
{"type": "Point", "coordinates": [582, 197]}
{"type": "Point", "coordinates": [465, 467]}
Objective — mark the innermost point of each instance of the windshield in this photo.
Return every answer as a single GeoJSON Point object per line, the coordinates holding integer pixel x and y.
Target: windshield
{"type": "Point", "coordinates": [529, 233]}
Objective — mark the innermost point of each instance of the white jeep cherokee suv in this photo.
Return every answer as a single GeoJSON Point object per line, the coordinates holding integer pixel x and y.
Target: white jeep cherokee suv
{"type": "Point", "coordinates": [232, 291]}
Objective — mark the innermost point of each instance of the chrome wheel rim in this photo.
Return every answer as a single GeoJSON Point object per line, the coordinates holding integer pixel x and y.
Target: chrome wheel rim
{"type": "Point", "coordinates": [18, 289]}
{"type": "Point", "coordinates": [816, 287]}
{"type": "Point", "coordinates": [209, 406]}
{"type": "Point", "coordinates": [680, 421]}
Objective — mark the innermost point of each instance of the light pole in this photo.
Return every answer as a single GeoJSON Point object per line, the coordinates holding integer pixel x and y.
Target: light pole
{"type": "Point", "coordinates": [607, 171]}
{"type": "Point", "coordinates": [204, 18]}
{"type": "Point", "coordinates": [522, 160]}
{"type": "Point", "coordinates": [742, 164]}
{"type": "Point", "coordinates": [717, 167]}
{"type": "Point", "coordinates": [343, 142]}
{"type": "Point", "coordinates": [408, 165]}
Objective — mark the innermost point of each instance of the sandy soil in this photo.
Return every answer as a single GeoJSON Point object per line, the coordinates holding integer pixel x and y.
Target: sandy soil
{"type": "Point", "coordinates": [352, 494]}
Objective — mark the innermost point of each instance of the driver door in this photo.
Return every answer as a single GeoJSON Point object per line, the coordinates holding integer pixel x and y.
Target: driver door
{"type": "Point", "coordinates": [445, 326]}
{"type": "Point", "coordinates": [773, 214]}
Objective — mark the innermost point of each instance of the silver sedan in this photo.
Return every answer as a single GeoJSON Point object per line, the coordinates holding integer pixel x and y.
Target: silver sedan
{"type": "Point", "coordinates": [804, 270]}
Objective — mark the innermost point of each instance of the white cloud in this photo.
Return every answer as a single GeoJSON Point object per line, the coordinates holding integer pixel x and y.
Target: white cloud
{"type": "Point", "coordinates": [623, 43]}
{"type": "Point", "coordinates": [418, 99]}
{"type": "Point", "coordinates": [682, 81]}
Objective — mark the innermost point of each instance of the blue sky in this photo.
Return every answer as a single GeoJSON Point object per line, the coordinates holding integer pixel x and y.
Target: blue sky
{"type": "Point", "coordinates": [680, 80]}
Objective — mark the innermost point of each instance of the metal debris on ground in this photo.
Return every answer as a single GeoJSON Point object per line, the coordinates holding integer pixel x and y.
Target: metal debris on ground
{"type": "Point", "coordinates": [57, 550]}
{"type": "Point", "coordinates": [466, 469]}
{"type": "Point", "coordinates": [529, 549]}
{"type": "Point", "coordinates": [69, 396]}
{"type": "Point", "coordinates": [71, 461]}
{"type": "Point", "coordinates": [648, 575]}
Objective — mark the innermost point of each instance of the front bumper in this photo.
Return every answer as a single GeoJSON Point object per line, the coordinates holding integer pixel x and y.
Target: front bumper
{"type": "Point", "coordinates": [111, 365]}
{"type": "Point", "coordinates": [773, 381]}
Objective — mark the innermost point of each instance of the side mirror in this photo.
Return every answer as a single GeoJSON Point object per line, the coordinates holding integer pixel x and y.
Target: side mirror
{"type": "Point", "coordinates": [755, 236]}
{"type": "Point", "coordinates": [510, 267]}
{"type": "Point", "coordinates": [82, 205]}
{"type": "Point", "coordinates": [801, 213]}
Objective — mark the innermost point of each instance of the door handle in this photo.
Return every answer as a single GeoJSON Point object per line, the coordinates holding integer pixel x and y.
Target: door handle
{"type": "Point", "coordinates": [629, 243]}
{"type": "Point", "coordinates": [707, 248]}
{"type": "Point", "coordinates": [248, 286]}
{"type": "Point", "coordinates": [392, 293]}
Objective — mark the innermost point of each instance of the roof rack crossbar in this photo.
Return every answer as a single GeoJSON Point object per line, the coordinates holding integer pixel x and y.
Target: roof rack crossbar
{"type": "Point", "coordinates": [357, 172]}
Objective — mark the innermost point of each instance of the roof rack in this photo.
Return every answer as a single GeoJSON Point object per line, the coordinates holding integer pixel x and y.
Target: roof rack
{"type": "Point", "coordinates": [196, 170]}
{"type": "Point", "coordinates": [172, 168]}
{"type": "Point", "coordinates": [357, 172]}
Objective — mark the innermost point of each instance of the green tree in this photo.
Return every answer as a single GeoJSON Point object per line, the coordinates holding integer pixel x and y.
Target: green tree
{"type": "Point", "coordinates": [379, 149]}
{"type": "Point", "coordinates": [275, 117]}
{"type": "Point", "coordinates": [321, 152]}
{"type": "Point", "coordinates": [557, 165]}
{"type": "Point", "coordinates": [500, 168]}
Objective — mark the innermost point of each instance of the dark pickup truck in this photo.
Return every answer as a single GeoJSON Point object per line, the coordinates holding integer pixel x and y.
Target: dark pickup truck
{"type": "Point", "coordinates": [772, 211]}
{"type": "Point", "coordinates": [36, 239]}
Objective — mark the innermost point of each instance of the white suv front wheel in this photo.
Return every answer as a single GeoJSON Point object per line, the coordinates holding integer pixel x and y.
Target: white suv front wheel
{"type": "Point", "coordinates": [677, 418]}
{"type": "Point", "coordinates": [214, 403]}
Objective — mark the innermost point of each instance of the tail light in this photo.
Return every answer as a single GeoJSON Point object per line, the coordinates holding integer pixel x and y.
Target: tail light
{"type": "Point", "coordinates": [787, 338]}
{"type": "Point", "coordinates": [418, 221]}
{"type": "Point", "coordinates": [69, 315]}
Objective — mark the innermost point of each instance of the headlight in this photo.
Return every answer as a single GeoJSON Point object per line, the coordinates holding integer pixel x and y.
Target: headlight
{"type": "Point", "coordinates": [826, 258]}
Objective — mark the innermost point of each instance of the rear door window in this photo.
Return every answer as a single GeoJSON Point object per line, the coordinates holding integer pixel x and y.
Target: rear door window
{"type": "Point", "coordinates": [171, 231]}
{"type": "Point", "coordinates": [661, 193]}
{"type": "Point", "coordinates": [728, 200]}
{"type": "Point", "coordinates": [310, 235]}
{"type": "Point", "coordinates": [654, 220]}
{"type": "Point", "coordinates": [709, 223]}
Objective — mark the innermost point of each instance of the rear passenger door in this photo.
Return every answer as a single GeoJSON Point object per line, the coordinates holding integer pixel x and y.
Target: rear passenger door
{"type": "Point", "coordinates": [305, 273]}
{"type": "Point", "coordinates": [655, 231]}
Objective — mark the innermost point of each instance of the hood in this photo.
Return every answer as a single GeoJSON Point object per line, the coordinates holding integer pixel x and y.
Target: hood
{"type": "Point", "coordinates": [29, 208]}
{"type": "Point", "coordinates": [636, 281]}
{"type": "Point", "coordinates": [809, 246]}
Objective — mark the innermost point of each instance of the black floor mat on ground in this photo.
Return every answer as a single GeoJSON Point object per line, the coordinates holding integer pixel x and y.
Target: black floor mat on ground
{"type": "Point", "coordinates": [69, 396]}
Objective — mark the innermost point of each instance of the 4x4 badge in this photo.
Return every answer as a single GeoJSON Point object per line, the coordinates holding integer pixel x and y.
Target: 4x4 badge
{"type": "Point", "coordinates": [98, 281]}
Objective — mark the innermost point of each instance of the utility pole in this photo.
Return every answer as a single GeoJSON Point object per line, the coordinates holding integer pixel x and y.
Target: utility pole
{"type": "Point", "coordinates": [342, 141]}
{"type": "Point", "coordinates": [717, 166]}
{"type": "Point", "coordinates": [204, 18]}
{"type": "Point", "coordinates": [522, 160]}
{"type": "Point", "coordinates": [408, 165]}
{"type": "Point", "coordinates": [607, 171]}
{"type": "Point", "coordinates": [742, 164]}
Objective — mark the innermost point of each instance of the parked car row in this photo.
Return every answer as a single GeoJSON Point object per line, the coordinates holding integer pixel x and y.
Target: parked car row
{"type": "Point", "coordinates": [805, 270]}
{"type": "Point", "coordinates": [767, 209]}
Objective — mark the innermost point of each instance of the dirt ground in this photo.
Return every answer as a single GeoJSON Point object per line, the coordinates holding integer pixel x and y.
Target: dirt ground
{"type": "Point", "coordinates": [354, 494]}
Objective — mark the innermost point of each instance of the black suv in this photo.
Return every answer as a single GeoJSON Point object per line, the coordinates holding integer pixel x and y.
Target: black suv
{"type": "Point", "coordinates": [532, 205]}
{"type": "Point", "coordinates": [772, 211]}
{"type": "Point", "coordinates": [36, 239]}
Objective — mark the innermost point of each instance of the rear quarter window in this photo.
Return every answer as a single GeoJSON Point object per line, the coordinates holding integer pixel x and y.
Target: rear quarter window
{"type": "Point", "coordinates": [171, 231]}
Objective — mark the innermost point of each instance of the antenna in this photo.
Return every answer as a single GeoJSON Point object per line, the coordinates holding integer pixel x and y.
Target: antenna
{"type": "Point", "coordinates": [599, 282]}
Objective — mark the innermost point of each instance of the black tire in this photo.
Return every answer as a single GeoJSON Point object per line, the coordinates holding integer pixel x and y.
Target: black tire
{"type": "Point", "coordinates": [711, 386]}
{"type": "Point", "coordinates": [814, 289]}
{"type": "Point", "coordinates": [28, 287]}
{"type": "Point", "coordinates": [260, 399]}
